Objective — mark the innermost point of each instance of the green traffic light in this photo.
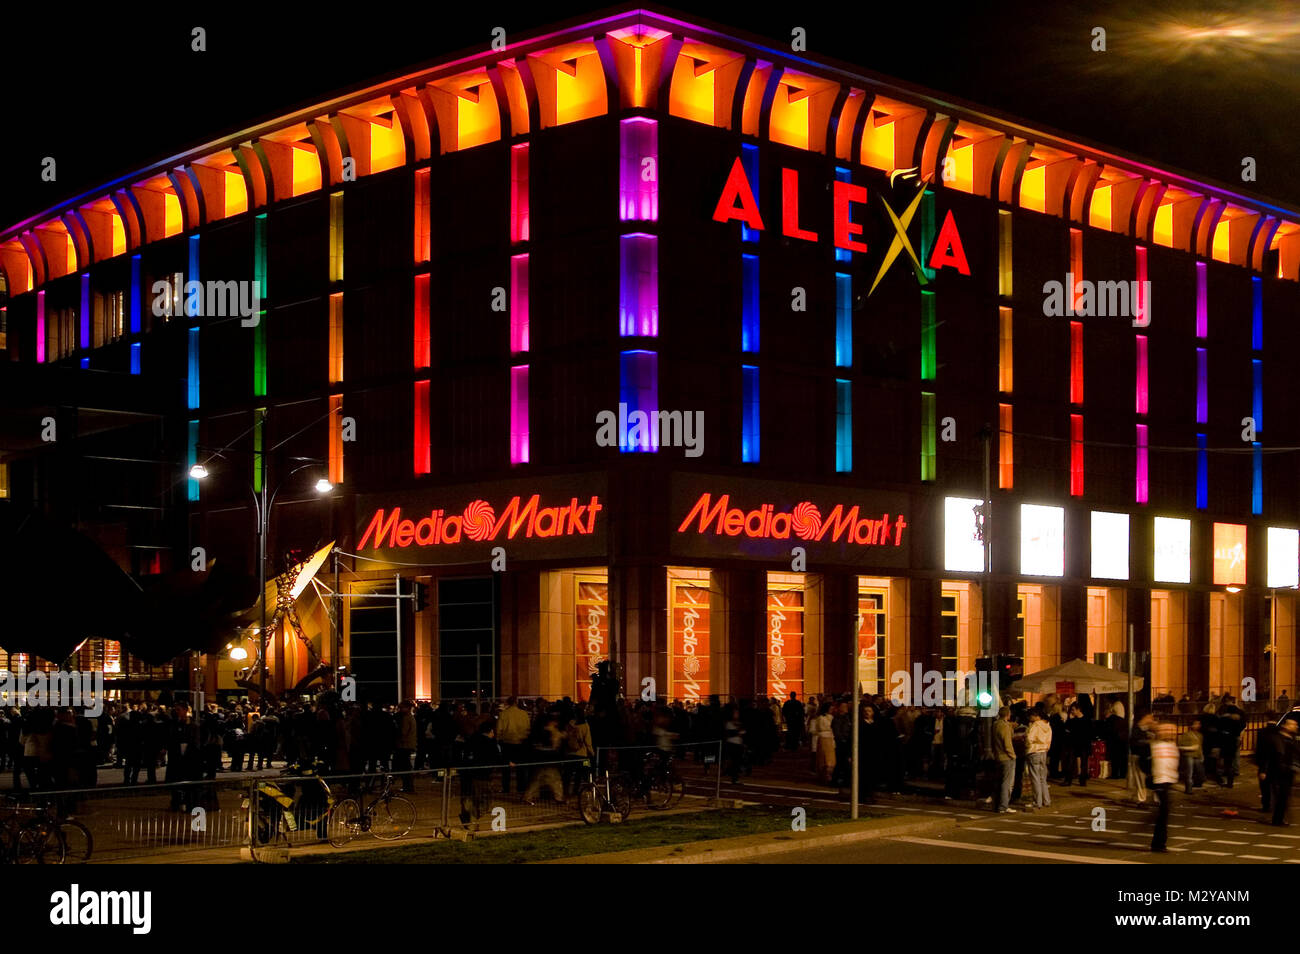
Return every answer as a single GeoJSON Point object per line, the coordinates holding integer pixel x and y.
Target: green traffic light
{"type": "Point", "coordinates": [985, 699]}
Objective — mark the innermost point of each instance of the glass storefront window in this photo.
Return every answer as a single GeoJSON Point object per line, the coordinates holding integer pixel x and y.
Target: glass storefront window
{"type": "Point", "coordinates": [689, 678]}
{"type": "Point", "coordinates": [872, 621]}
{"type": "Point", "coordinates": [591, 630]}
{"type": "Point", "coordinates": [785, 631]}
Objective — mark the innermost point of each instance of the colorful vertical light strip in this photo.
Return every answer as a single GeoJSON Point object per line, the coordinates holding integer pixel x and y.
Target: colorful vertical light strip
{"type": "Point", "coordinates": [749, 160]}
{"type": "Point", "coordinates": [928, 233]}
{"type": "Point", "coordinates": [1202, 473]}
{"type": "Point", "coordinates": [638, 181]}
{"type": "Point", "coordinates": [1257, 397]}
{"type": "Point", "coordinates": [1075, 290]}
{"type": "Point", "coordinates": [843, 426]}
{"type": "Point", "coordinates": [1140, 313]}
{"type": "Point", "coordinates": [929, 444]}
{"type": "Point", "coordinates": [1202, 386]}
{"type": "Point", "coordinates": [137, 300]}
{"type": "Point", "coordinates": [421, 443]}
{"type": "Point", "coordinates": [1006, 350]}
{"type": "Point", "coordinates": [1257, 483]}
{"type": "Point", "coordinates": [259, 332]}
{"type": "Point", "coordinates": [749, 308]}
{"type": "Point", "coordinates": [749, 420]}
{"type": "Point", "coordinates": [638, 285]}
{"type": "Point", "coordinates": [336, 339]}
{"type": "Point", "coordinates": [1006, 448]}
{"type": "Point", "coordinates": [259, 426]}
{"type": "Point", "coordinates": [929, 348]}
{"type": "Point", "coordinates": [1202, 305]}
{"type": "Point", "coordinates": [843, 320]}
{"type": "Point", "coordinates": [638, 390]}
{"type": "Point", "coordinates": [40, 326]}
{"type": "Point", "coordinates": [1142, 375]}
{"type": "Point", "coordinates": [192, 367]}
{"type": "Point", "coordinates": [519, 450]}
{"type": "Point", "coordinates": [1004, 253]}
{"type": "Point", "coordinates": [843, 255]}
{"type": "Point", "coordinates": [1142, 484]}
{"type": "Point", "coordinates": [336, 237]}
{"type": "Point", "coordinates": [518, 304]}
{"type": "Point", "coordinates": [135, 357]}
{"type": "Point", "coordinates": [336, 439]}
{"type": "Point", "coordinates": [423, 356]}
{"type": "Point", "coordinates": [191, 458]}
{"type": "Point", "coordinates": [85, 310]}
{"type": "Point", "coordinates": [1076, 362]}
{"type": "Point", "coordinates": [519, 192]}
{"type": "Point", "coordinates": [1076, 455]}
{"type": "Point", "coordinates": [1256, 313]}
{"type": "Point", "coordinates": [423, 227]}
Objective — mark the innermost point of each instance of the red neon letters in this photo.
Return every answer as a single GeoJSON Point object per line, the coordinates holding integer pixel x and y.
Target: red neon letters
{"type": "Point", "coordinates": [948, 249]}
{"type": "Point", "coordinates": [479, 523]}
{"type": "Point", "coordinates": [803, 521]}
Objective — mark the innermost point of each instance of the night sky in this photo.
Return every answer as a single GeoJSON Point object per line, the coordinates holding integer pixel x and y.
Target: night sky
{"type": "Point", "coordinates": [1190, 85]}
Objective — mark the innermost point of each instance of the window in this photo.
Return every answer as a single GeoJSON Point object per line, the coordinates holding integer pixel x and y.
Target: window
{"type": "Point", "coordinates": [519, 450]}
{"type": "Point", "coordinates": [948, 643]}
{"type": "Point", "coordinates": [843, 426]}
{"type": "Point", "coordinates": [749, 427]}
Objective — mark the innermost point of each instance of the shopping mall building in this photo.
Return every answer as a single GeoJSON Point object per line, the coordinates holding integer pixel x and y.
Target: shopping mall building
{"type": "Point", "coordinates": [641, 337]}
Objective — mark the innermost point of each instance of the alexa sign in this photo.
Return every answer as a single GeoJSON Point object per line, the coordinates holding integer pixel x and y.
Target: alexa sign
{"type": "Point", "coordinates": [737, 202]}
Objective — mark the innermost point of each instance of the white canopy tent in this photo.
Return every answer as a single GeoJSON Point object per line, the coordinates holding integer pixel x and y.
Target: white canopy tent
{"type": "Point", "coordinates": [1084, 676]}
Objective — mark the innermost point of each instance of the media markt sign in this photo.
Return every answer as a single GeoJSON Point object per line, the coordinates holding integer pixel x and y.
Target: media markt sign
{"type": "Point", "coordinates": [765, 520]}
{"type": "Point", "coordinates": [536, 519]}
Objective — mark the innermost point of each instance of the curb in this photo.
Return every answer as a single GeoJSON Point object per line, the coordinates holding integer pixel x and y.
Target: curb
{"type": "Point", "coordinates": [749, 846]}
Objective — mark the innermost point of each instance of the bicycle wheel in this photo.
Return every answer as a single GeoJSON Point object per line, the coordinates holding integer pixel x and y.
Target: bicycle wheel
{"type": "Point", "coordinates": [664, 790]}
{"type": "Point", "coordinates": [270, 837]}
{"type": "Point", "coordinates": [392, 817]}
{"type": "Point", "coordinates": [76, 840]}
{"type": "Point", "coordinates": [38, 845]}
{"type": "Point", "coordinates": [344, 822]}
{"type": "Point", "coordinates": [620, 796]}
{"type": "Point", "coordinates": [589, 803]}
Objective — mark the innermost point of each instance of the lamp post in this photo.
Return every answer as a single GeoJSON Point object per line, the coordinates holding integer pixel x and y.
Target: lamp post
{"type": "Point", "coordinates": [262, 504]}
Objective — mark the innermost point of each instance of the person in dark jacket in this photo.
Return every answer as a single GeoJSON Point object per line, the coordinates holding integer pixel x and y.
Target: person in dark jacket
{"type": "Point", "coordinates": [1230, 721]}
{"type": "Point", "coordinates": [478, 757]}
{"type": "Point", "coordinates": [1078, 731]}
{"type": "Point", "coordinates": [793, 713]}
{"type": "Point", "coordinates": [1278, 766]}
{"type": "Point", "coordinates": [183, 756]}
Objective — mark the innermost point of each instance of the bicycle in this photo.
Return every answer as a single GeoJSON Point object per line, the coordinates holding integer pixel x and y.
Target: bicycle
{"type": "Point", "coordinates": [610, 793]}
{"type": "Point", "coordinates": [286, 807]}
{"type": "Point", "coordinates": [389, 816]}
{"type": "Point", "coordinates": [659, 784]}
{"type": "Point", "coordinates": [28, 837]}
{"type": "Point", "coordinates": [74, 839]}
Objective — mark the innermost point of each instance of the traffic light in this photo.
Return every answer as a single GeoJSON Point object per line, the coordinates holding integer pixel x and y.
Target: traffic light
{"type": "Point", "coordinates": [1009, 669]}
{"type": "Point", "coordinates": [421, 596]}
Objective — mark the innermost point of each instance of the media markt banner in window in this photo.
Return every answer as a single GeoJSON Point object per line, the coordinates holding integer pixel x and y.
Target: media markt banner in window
{"type": "Point", "coordinates": [766, 520]}
{"type": "Point", "coordinates": [531, 519]}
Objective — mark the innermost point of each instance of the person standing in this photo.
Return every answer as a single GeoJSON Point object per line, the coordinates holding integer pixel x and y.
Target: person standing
{"type": "Point", "coordinates": [793, 715]}
{"type": "Point", "coordinates": [1140, 754]}
{"type": "Point", "coordinates": [1279, 767]}
{"type": "Point", "coordinates": [1231, 721]}
{"type": "Point", "coordinates": [1037, 742]}
{"type": "Point", "coordinates": [1164, 775]}
{"type": "Point", "coordinates": [408, 739]}
{"type": "Point", "coordinates": [512, 731]}
{"type": "Point", "coordinates": [1192, 755]}
{"type": "Point", "coordinates": [823, 730]}
{"type": "Point", "coordinates": [1004, 751]}
{"type": "Point", "coordinates": [1078, 730]}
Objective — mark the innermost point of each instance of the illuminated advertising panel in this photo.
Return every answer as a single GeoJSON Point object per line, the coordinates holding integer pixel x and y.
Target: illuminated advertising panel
{"type": "Point", "coordinates": [1109, 545]}
{"type": "Point", "coordinates": [872, 621]}
{"type": "Point", "coordinates": [962, 549]}
{"type": "Point", "coordinates": [1042, 540]}
{"type": "Point", "coordinates": [784, 643]}
{"type": "Point", "coordinates": [1173, 556]}
{"type": "Point", "coordinates": [1283, 557]}
{"type": "Point", "coordinates": [690, 641]}
{"type": "Point", "coordinates": [1229, 554]}
{"type": "Point", "coordinates": [591, 630]}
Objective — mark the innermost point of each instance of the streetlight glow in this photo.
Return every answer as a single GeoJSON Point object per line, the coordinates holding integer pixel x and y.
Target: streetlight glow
{"type": "Point", "coordinates": [323, 486]}
{"type": "Point", "coordinates": [198, 472]}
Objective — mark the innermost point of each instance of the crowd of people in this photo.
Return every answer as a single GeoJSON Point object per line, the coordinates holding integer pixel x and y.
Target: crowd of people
{"type": "Point", "coordinates": [1061, 739]}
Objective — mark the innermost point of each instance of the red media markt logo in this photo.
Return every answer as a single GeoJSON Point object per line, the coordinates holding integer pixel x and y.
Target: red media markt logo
{"type": "Point", "coordinates": [480, 522]}
{"type": "Point", "coordinates": [804, 521]}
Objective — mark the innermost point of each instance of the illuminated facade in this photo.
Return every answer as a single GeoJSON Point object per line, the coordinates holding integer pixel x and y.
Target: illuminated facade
{"type": "Point", "coordinates": [459, 271]}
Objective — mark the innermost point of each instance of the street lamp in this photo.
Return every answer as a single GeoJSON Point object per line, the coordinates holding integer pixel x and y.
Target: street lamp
{"type": "Point", "coordinates": [262, 510]}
